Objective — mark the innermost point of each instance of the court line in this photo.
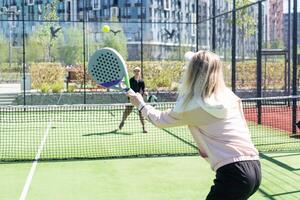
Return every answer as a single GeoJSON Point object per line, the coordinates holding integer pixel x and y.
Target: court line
{"type": "Point", "coordinates": [34, 164]}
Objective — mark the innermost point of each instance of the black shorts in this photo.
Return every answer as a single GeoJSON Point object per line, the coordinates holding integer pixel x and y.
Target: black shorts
{"type": "Point", "coordinates": [236, 181]}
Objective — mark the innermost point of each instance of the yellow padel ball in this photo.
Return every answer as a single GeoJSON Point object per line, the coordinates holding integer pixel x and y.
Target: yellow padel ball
{"type": "Point", "coordinates": [105, 28]}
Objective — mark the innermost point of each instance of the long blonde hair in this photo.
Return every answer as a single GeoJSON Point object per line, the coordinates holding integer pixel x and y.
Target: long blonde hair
{"type": "Point", "coordinates": [202, 78]}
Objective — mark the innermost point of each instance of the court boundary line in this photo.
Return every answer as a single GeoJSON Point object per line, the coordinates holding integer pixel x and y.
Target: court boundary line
{"type": "Point", "coordinates": [34, 164]}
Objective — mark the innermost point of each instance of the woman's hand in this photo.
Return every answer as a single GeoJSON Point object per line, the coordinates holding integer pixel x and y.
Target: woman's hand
{"type": "Point", "coordinates": [135, 98]}
{"type": "Point", "coordinates": [145, 94]}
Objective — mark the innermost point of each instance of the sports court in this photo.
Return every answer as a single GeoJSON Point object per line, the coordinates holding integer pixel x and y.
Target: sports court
{"type": "Point", "coordinates": [59, 125]}
{"type": "Point", "coordinates": [67, 153]}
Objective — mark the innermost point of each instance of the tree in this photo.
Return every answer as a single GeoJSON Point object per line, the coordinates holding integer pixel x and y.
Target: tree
{"type": "Point", "coordinates": [245, 23]}
{"type": "Point", "coordinates": [3, 49]}
{"type": "Point", "coordinates": [33, 46]}
{"type": "Point", "coordinates": [70, 53]}
{"type": "Point", "coordinates": [116, 40]}
{"type": "Point", "coordinates": [16, 56]}
{"type": "Point", "coordinates": [43, 36]}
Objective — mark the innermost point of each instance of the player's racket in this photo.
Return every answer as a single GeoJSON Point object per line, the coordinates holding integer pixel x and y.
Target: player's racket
{"type": "Point", "coordinates": [107, 67]}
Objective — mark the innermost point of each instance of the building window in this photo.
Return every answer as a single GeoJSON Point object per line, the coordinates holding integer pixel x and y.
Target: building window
{"type": "Point", "coordinates": [68, 11]}
{"type": "Point", "coordinates": [167, 4]}
{"type": "Point", "coordinates": [30, 2]}
{"type": "Point", "coordinates": [30, 13]}
{"type": "Point", "coordinates": [194, 25]}
{"type": "Point", "coordinates": [179, 5]}
{"type": "Point", "coordinates": [106, 13]}
{"type": "Point", "coordinates": [96, 4]}
{"type": "Point", "coordinates": [128, 11]}
{"type": "Point", "coordinates": [114, 11]}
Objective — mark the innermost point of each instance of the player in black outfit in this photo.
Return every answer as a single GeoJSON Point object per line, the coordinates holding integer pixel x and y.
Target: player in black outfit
{"type": "Point", "coordinates": [137, 84]}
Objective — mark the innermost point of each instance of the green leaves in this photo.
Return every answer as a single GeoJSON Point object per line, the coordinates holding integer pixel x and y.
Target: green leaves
{"type": "Point", "coordinates": [47, 76]}
{"type": "Point", "coordinates": [41, 40]}
{"type": "Point", "coordinates": [159, 75]}
{"type": "Point", "coordinates": [272, 74]}
{"type": "Point", "coordinates": [3, 49]}
{"type": "Point", "coordinates": [70, 46]}
{"type": "Point", "coordinates": [117, 41]}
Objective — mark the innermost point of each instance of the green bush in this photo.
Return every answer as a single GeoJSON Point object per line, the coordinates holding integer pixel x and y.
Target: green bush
{"type": "Point", "coordinates": [167, 74]}
{"type": "Point", "coordinates": [272, 74]}
{"type": "Point", "coordinates": [159, 74]}
{"type": "Point", "coordinates": [46, 74]}
{"type": "Point", "coordinates": [5, 67]}
{"type": "Point", "coordinates": [45, 88]}
{"type": "Point", "coordinates": [4, 46]}
{"type": "Point", "coordinates": [71, 87]}
{"type": "Point", "coordinates": [57, 87]}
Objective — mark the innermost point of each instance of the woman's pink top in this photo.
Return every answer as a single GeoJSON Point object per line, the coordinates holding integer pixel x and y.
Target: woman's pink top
{"type": "Point", "coordinates": [219, 128]}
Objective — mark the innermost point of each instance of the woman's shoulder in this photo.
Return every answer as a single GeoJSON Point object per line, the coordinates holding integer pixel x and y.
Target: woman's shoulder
{"type": "Point", "coordinates": [217, 106]}
{"type": "Point", "coordinates": [229, 96]}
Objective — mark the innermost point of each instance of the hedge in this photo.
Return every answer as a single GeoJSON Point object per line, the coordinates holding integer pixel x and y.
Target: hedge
{"type": "Point", "coordinates": [159, 75]}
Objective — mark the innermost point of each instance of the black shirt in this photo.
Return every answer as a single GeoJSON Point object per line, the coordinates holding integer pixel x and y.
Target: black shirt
{"type": "Point", "coordinates": [137, 86]}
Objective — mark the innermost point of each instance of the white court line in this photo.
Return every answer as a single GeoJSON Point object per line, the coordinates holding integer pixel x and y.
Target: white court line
{"type": "Point", "coordinates": [34, 164]}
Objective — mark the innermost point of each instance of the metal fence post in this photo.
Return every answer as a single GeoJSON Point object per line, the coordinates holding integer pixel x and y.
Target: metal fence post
{"type": "Point", "coordinates": [213, 25]}
{"type": "Point", "coordinates": [233, 49]}
{"type": "Point", "coordinates": [295, 21]}
{"type": "Point", "coordinates": [259, 63]}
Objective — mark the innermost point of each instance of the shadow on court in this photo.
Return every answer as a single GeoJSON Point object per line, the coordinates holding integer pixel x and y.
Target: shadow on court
{"type": "Point", "coordinates": [274, 196]}
{"type": "Point", "coordinates": [115, 132]}
{"type": "Point", "coordinates": [280, 177]}
{"type": "Point", "coordinates": [279, 163]}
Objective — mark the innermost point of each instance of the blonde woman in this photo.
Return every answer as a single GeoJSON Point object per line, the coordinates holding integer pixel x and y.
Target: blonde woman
{"type": "Point", "coordinates": [215, 118]}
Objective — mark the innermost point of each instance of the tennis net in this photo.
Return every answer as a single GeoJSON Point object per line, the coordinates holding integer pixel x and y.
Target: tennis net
{"type": "Point", "coordinates": [91, 131]}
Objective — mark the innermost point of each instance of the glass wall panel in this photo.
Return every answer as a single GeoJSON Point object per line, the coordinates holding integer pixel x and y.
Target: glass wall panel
{"type": "Point", "coordinates": [246, 51]}
{"type": "Point", "coordinates": [221, 6]}
{"type": "Point", "coordinates": [169, 11]}
{"type": "Point", "coordinates": [54, 62]}
{"type": "Point", "coordinates": [223, 43]}
{"type": "Point", "coordinates": [164, 46]}
{"type": "Point", "coordinates": [61, 35]}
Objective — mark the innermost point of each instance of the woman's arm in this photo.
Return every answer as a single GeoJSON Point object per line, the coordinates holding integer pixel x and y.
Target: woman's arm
{"type": "Point", "coordinates": [169, 118]}
{"type": "Point", "coordinates": [162, 119]}
{"type": "Point", "coordinates": [158, 118]}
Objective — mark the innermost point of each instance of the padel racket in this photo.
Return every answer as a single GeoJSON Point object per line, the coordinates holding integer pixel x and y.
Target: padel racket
{"type": "Point", "coordinates": [108, 69]}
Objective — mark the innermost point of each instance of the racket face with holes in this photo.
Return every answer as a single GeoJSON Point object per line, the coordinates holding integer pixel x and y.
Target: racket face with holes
{"type": "Point", "coordinates": [108, 69]}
